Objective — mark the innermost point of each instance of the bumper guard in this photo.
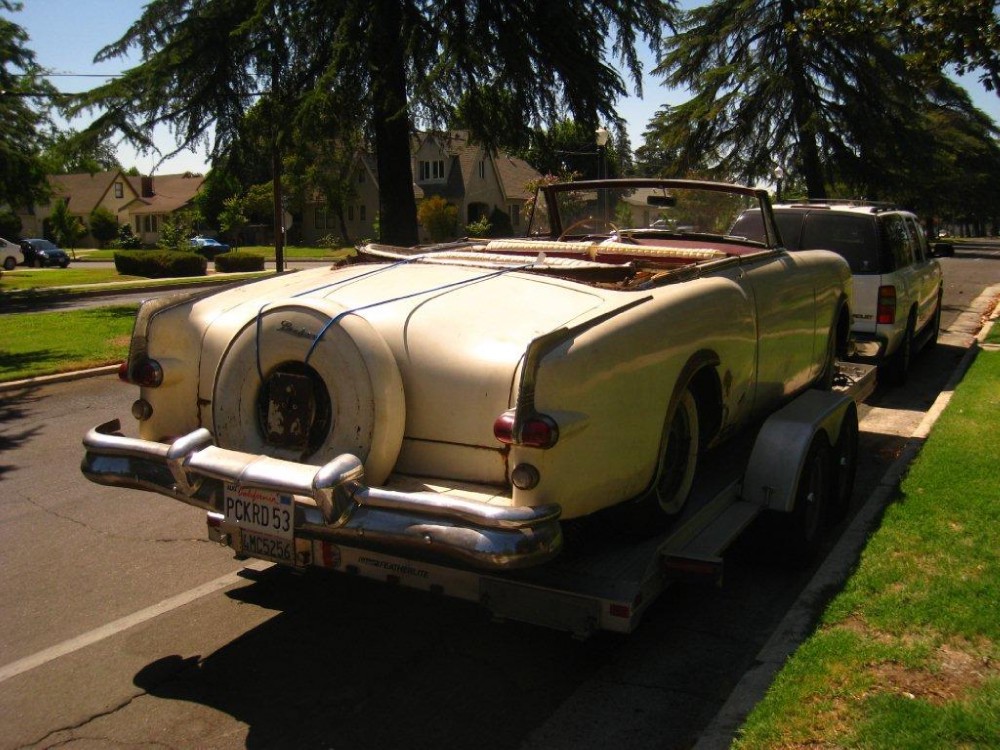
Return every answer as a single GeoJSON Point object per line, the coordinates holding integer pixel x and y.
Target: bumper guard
{"type": "Point", "coordinates": [331, 501]}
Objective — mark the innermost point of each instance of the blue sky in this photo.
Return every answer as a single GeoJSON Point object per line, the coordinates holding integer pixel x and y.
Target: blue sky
{"type": "Point", "coordinates": [66, 34]}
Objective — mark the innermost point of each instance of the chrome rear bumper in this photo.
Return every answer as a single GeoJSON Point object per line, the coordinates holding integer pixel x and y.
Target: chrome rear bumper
{"type": "Point", "coordinates": [331, 501]}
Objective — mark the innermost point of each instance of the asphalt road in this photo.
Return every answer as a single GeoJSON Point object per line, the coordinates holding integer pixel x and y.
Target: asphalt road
{"type": "Point", "coordinates": [122, 626]}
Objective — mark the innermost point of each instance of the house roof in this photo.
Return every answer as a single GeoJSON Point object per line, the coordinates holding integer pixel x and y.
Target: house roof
{"type": "Point", "coordinates": [164, 193]}
{"type": "Point", "coordinates": [82, 192]}
{"type": "Point", "coordinates": [169, 193]}
{"type": "Point", "coordinates": [514, 174]}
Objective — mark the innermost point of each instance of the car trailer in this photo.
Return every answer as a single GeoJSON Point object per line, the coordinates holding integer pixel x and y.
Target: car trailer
{"type": "Point", "coordinates": [800, 464]}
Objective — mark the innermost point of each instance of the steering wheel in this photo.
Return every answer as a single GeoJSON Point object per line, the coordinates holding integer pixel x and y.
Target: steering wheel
{"type": "Point", "coordinates": [574, 225]}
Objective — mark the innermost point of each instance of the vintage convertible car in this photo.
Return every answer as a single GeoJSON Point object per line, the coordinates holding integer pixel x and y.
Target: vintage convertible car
{"type": "Point", "coordinates": [463, 400]}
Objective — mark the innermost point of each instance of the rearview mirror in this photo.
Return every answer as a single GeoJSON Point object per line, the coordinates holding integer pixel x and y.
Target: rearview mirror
{"type": "Point", "coordinates": [662, 201]}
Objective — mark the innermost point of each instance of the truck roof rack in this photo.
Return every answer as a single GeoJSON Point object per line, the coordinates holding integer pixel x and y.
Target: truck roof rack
{"type": "Point", "coordinates": [844, 202]}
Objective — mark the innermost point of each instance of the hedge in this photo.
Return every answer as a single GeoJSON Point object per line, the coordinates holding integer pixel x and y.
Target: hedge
{"type": "Point", "coordinates": [234, 261]}
{"type": "Point", "coordinates": [160, 264]}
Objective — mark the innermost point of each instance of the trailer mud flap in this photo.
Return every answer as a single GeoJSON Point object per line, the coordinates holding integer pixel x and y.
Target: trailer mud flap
{"type": "Point", "coordinates": [579, 615]}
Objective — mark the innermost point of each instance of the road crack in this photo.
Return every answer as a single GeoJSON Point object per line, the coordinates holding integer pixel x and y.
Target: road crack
{"type": "Point", "coordinates": [110, 535]}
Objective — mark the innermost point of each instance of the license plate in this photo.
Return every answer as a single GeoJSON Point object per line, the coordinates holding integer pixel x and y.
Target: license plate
{"type": "Point", "coordinates": [267, 547]}
{"type": "Point", "coordinates": [265, 520]}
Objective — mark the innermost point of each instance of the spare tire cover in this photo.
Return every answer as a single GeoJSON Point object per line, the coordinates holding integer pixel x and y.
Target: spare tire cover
{"type": "Point", "coordinates": [346, 384]}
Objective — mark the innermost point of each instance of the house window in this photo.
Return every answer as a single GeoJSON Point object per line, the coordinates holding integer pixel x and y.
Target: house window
{"type": "Point", "coordinates": [515, 214]}
{"type": "Point", "coordinates": [482, 170]}
{"type": "Point", "coordinates": [362, 212]}
{"type": "Point", "coordinates": [119, 190]}
{"type": "Point", "coordinates": [431, 170]}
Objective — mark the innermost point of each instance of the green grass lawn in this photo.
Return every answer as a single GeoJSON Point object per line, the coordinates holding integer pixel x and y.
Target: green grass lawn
{"type": "Point", "coordinates": [291, 252]}
{"type": "Point", "coordinates": [43, 343]}
{"type": "Point", "coordinates": [908, 654]}
{"type": "Point", "coordinates": [45, 278]}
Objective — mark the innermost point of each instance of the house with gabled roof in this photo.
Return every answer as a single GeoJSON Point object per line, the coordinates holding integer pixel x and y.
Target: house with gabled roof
{"type": "Point", "coordinates": [450, 165]}
{"type": "Point", "coordinates": [141, 201]}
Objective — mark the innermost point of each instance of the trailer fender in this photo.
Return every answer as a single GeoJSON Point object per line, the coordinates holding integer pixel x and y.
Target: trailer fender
{"type": "Point", "coordinates": [782, 445]}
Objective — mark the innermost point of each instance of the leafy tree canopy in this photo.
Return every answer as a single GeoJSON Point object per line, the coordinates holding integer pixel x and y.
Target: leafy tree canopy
{"type": "Point", "coordinates": [71, 152]}
{"type": "Point", "coordinates": [24, 114]}
{"type": "Point", "coordinates": [831, 104]}
{"type": "Point", "coordinates": [962, 33]}
{"type": "Point", "coordinates": [390, 63]}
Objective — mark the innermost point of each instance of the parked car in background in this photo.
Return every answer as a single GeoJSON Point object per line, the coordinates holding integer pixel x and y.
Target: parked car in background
{"type": "Point", "coordinates": [10, 254]}
{"type": "Point", "coordinates": [208, 246]}
{"type": "Point", "coordinates": [898, 283]}
{"type": "Point", "coordinates": [42, 253]}
{"type": "Point", "coordinates": [458, 400]}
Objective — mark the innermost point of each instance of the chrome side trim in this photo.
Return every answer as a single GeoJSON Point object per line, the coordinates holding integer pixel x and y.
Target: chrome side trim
{"type": "Point", "coordinates": [194, 471]}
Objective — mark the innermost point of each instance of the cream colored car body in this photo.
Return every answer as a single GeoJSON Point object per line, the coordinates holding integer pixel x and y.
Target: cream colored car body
{"type": "Point", "coordinates": [484, 328]}
{"type": "Point", "coordinates": [460, 351]}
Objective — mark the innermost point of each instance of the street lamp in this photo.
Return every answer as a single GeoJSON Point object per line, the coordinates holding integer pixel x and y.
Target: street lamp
{"type": "Point", "coordinates": [601, 135]}
{"type": "Point", "coordinates": [779, 175]}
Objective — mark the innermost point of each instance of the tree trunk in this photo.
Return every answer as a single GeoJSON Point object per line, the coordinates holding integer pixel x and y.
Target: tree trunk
{"type": "Point", "coordinates": [397, 206]}
{"type": "Point", "coordinates": [802, 113]}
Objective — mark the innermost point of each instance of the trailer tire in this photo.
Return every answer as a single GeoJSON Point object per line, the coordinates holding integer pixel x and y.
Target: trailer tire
{"type": "Point", "coordinates": [844, 466]}
{"type": "Point", "coordinates": [353, 392]}
{"type": "Point", "coordinates": [800, 532]}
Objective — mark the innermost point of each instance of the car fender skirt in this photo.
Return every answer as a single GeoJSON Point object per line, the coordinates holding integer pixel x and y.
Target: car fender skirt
{"type": "Point", "coordinates": [331, 501]}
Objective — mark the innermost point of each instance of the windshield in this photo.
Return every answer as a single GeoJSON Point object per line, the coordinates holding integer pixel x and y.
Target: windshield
{"type": "Point", "coordinates": [43, 245]}
{"type": "Point", "coordinates": [607, 209]}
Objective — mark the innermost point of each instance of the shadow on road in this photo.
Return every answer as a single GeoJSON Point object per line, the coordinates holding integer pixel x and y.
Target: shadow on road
{"type": "Point", "coordinates": [15, 407]}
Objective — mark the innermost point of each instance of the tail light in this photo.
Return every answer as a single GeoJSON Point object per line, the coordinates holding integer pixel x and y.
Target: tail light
{"type": "Point", "coordinates": [537, 431]}
{"type": "Point", "coordinates": [145, 372]}
{"type": "Point", "coordinates": [886, 313]}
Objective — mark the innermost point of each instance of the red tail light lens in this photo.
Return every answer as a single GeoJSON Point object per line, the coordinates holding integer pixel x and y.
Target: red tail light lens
{"type": "Point", "coordinates": [537, 431]}
{"type": "Point", "coordinates": [886, 313]}
{"type": "Point", "coordinates": [145, 372]}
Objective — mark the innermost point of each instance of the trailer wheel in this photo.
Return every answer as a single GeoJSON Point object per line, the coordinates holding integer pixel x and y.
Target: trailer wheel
{"type": "Point", "coordinates": [803, 528]}
{"type": "Point", "coordinates": [845, 466]}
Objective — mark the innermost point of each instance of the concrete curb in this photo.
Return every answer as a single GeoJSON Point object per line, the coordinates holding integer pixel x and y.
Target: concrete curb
{"type": "Point", "coordinates": [59, 377]}
{"type": "Point", "coordinates": [799, 621]}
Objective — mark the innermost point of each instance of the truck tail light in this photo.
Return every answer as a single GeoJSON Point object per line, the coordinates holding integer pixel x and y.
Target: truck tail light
{"type": "Point", "coordinates": [537, 431]}
{"type": "Point", "coordinates": [886, 313]}
{"type": "Point", "coordinates": [145, 372]}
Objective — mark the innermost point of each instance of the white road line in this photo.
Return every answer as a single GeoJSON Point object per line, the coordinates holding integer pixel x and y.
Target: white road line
{"type": "Point", "coordinates": [113, 628]}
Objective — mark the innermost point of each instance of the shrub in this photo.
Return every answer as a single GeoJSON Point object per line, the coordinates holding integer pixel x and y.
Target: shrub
{"type": "Point", "coordinates": [235, 262]}
{"type": "Point", "coordinates": [103, 225]}
{"type": "Point", "coordinates": [126, 239]}
{"type": "Point", "coordinates": [438, 217]}
{"type": "Point", "coordinates": [160, 264]}
{"type": "Point", "coordinates": [479, 228]}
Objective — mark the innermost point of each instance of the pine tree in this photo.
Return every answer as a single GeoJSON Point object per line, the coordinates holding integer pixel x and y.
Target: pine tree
{"type": "Point", "coordinates": [389, 63]}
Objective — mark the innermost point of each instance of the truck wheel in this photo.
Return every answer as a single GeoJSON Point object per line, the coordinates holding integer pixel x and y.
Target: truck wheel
{"type": "Point", "coordinates": [935, 325]}
{"type": "Point", "coordinates": [284, 390]}
{"type": "Point", "coordinates": [844, 466]}
{"type": "Point", "coordinates": [9, 264]}
{"type": "Point", "coordinates": [898, 366]}
{"type": "Point", "coordinates": [678, 459]}
{"type": "Point", "coordinates": [801, 531]}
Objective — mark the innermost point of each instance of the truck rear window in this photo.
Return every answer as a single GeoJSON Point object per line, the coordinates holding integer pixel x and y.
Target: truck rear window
{"type": "Point", "coordinates": [853, 237]}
